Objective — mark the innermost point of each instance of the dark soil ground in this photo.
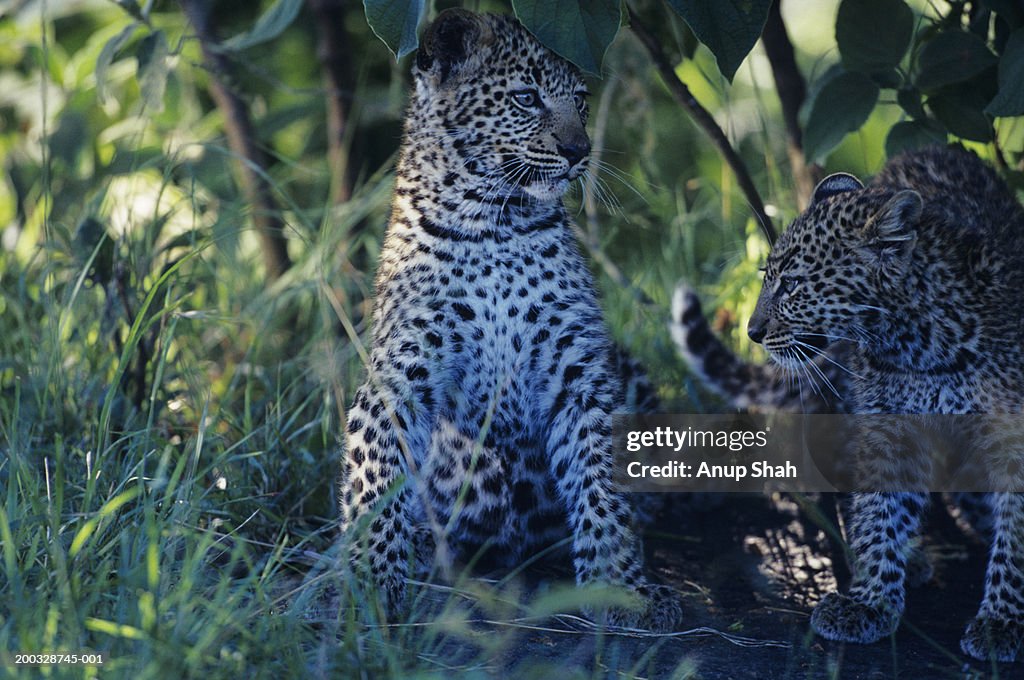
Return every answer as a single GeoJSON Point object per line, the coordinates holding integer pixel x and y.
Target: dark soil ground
{"type": "Point", "coordinates": [763, 565]}
{"type": "Point", "coordinates": [751, 570]}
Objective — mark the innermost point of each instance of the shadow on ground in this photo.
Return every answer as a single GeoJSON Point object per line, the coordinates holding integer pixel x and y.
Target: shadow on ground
{"type": "Point", "coordinates": [750, 570]}
{"type": "Point", "coordinates": [763, 565]}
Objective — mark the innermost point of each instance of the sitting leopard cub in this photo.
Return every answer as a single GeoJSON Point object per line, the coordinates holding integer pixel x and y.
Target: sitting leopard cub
{"type": "Point", "coordinates": [492, 378]}
{"type": "Point", "coordinates": [923, 268]}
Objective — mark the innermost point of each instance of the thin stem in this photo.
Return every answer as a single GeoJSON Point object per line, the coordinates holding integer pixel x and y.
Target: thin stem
{"type": "Point", "coordinates": [704, 120]}
{"type": "Point", "coordinates": [792, 90]}
{"type": "Point", "coordinates": [334, 50]}
{"type": "Point", "coordinates": [251, 159]}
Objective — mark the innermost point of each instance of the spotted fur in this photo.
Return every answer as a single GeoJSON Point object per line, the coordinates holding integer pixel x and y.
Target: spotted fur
{"type": "Point", "coordinates": [486, 413]}
{"type": "Point", "coordinates": [768, 388]}
{"type": "Point", "coordinates": [921, 272]}
{"type": "Point", "coordinates": [749, 386]}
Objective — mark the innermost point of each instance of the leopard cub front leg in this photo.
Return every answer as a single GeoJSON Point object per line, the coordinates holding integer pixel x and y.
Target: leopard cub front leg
{"type": "Point", "coordinates": [375, 519]}
{"type": "Point", "coordinates": [882, 528]}
{"type": "Point", "coordinates": [997, 632]}
{"type": "Point", "coordinates": [605, 548]}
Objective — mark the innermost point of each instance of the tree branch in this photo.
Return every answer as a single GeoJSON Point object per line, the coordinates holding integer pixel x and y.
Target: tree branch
{"type": "Point", "coordinates": [792, 90]}
{"type": "Point", "coordinates": [702, 118]}
{"type": "Point", "coordinates": [335, 55]}
{"type": "Point", "coordinates": [251, 160]}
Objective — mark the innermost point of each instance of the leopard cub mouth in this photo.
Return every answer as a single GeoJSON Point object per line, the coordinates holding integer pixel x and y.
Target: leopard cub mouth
{"type": "Point", "coordinates": [798, 348]}
{"type": "Point", "coordinates": [816, 340]}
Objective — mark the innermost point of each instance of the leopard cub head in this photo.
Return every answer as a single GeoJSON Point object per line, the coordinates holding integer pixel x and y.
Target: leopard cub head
{"type": "Point", "coordinates": [836, 267]}
{"type": "Point", "coordinates": [500, 107]}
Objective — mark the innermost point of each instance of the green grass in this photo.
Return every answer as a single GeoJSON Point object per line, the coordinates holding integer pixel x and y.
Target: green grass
{"type": "Point", "coordinates": [169, 430]}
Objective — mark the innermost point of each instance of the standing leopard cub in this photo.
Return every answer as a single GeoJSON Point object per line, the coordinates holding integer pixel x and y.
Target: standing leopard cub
{"type": "Point", "coordinates": [487, 409]}
{"type": "Point", "coordinates": [922, 274]}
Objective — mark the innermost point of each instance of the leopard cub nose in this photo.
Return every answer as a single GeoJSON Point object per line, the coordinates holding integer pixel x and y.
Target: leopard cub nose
{"type": "Point", "coordinates": [574, 152]}
{"type": "Point", "coordinates": [756, 331]}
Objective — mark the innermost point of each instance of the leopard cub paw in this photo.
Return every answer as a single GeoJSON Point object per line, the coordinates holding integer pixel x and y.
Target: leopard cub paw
{"type": "Point", "coordinates": [663, 610]}
{"type": "Point", "coordinates": [658, 610]}
{"type": "Point", "coordinates": [987, 638]}
{"type": "Point", "coordinates": [841, 618]}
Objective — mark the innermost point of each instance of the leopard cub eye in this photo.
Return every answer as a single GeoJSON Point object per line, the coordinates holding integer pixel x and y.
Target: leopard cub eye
{"type": "Point", "coordinates": [527, 99]}
{"type": "Point", "coordinates": [788, 284]}
{"type": "Point", "coordinates": [580, 99]}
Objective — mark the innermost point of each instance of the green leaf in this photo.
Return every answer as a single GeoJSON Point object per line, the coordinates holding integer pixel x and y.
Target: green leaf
{"type": "Point", "coordinates": [89, 527]}
{"type": "Point", "coordinates": [187, 239]}
{"type": "Point", "coordinates": [153, 69]}
{"type": "Point", "coordinates": [133, 9]}
{"type": "Point", "coordinates": [728, 27]}
{"type": "Point", "coordinates": [952, 57]}
{"type": "Point", "coordinates": [871, 45]}
{"type": "Point", "coordinates": [1009, 100]}
{"type": "Point", "coordinates": [93, 248]}
{"type": "Point", "coordinates": [106, 58]}
{"type": "Point", "coordinates": [909, 98]}
{"type": "Point", "coordinates": [395, 22]}
{"type": "Point", "coordinates": [271, 24]}
{"type": "Point", "coordinates": [116, 630]}
{"type": "Point", "coordinates": [912, 134]}
{"type": "Point", "coordinates": [961, 110]}
{"type": "Point", "coordinates": [840, 106]}
{"type": "Point", "coordinates": [891, 79]}
{"type": "Point", "coordinates": [70, 137]}
{"type": "Point", "coordinates": [579, 31]}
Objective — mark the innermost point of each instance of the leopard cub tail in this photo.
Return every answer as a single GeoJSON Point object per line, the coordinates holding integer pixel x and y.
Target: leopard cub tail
{"type": "Point", "coordinates": [741, 384]}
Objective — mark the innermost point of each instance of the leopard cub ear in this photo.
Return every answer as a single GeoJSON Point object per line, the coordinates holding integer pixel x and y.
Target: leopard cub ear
{"type": "Point", "coordinates": [890, 235]}
{"type": "Point", "coordinates": [838, 183]}
{"type": "Point", "coordinates": [449, 42]}
{"type": "Point", "coordinates": [896, 221]}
